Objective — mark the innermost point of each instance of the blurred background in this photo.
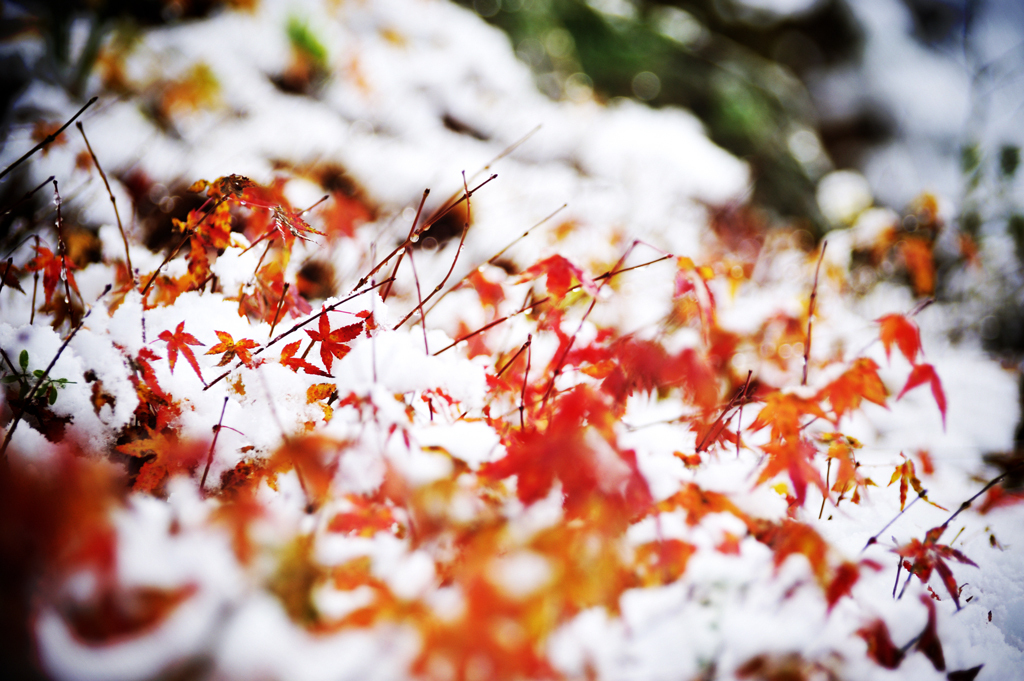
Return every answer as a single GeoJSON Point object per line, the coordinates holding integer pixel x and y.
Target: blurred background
{"type": "Point", "coordinates": [922, 99]}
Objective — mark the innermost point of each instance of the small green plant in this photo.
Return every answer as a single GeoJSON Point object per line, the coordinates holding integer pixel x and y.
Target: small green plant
{"type": "Point", "coordinates": [26, 380]}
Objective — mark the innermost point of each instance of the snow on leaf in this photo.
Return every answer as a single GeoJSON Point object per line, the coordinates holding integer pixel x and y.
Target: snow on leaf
{"type": "Point", "coordinates": [179, 341]}
{"type": "Point", "coordinates": [904, 334]}
{"type": "Point", "coordinates": [925, 373]}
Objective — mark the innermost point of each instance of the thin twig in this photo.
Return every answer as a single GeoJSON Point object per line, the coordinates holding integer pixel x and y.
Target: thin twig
{"type": "Point", "coordinates": [28, 195]}
{"type": "Point", "coordinates": [213, 445]}
{"type": "Point", "coordinates": [35, 285]}
{"type": "Point", "coordinates": [419, 297]}
{"type": "Point", "coordinates": [49, 138]}
{"type": "Point", "coordinates": [739, 418]}
{"type": "Point", "coordinates": [874, 539]}
{"type": "Point", "coordinates": [828, 472]}
{"type": "Point", "coordinates": [280, 304]}
{"type": "Point", "coordinates": [295, 328]}
{"type": "Point", "coordinates": [512, 361]}
{"type": "Point", "coordinates": [490, 261]}
{"type": "Point", "coordinates": [526, 375]}
{"type": "Point", "coordinates": [430, 223]}
{"type": "Point", "coordinates": [967, 504]}
{"type": "Point", "coordinates": [490, 325]}
{"type": "Point", "coordinates": [113, 201]}
{"type": "Point", "coordinates": [458, 251]}
{"type": "Point", "coordinates": [810, 313]}
{"type": "Point", "coordinates": [412, 230]}
{"type": "Point", "coordinates": [62, 253]}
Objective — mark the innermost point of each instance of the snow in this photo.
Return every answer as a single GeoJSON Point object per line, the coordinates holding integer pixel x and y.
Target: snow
{"type": "Point", "coordinates": [413, 426]}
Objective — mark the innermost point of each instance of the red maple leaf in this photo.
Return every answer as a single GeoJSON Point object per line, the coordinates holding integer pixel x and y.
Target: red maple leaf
{"type": "Point", "coordinates": [180, 341]}
{"type": "Point", "coordinates": [332, 343]}
{"type": "Point", "coordinates": [561, 275]}
{"type": "Point", "coordinates": [294, 363]}
{"type": "Point", "coordinates": [881, 649]}
{"type": "Point", "coordinates": [921, 557]}
{"type": "Point", "coordinates": [168, 455]}
{"type": "Point", "coordinates": [899, 331]}
{"type": "Point", "coordinates": [231, 349]}
{"type": "Point", "coordinates": [925, 373]}
{"type": "Point", "coordinates": [52, 266]}
{"type": "Point", "coordinates": [928, 642]}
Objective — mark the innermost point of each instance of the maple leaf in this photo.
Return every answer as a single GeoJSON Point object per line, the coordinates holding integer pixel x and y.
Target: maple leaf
{"type": "Point", "coordinates": [53, 268]}
{"type": "Point", "coordinates": [792, 457]}
{"type": "Point", "coordinates": [170, 456]}
{"type": "Point", "coordinates": [332, 343]}
{"type": "Point", "coordinates": [698, 502]}
{"type": "Point", "coordinates": [577, 448]}
{"type": "Point", "coordinates": [561, 275]}
{"type": "Point", "coordinates": [928, 642]}
{"type": "Point", "coordinates": [783, 411]}
{"type": "Point", "coordinates": [9, 276]}
{"type": "Point", "coordinates": [231, 349]}
{"type": "Point", "coordinates": [179, 341]}
{"type": "Point", "coordinates": [920, 264]}
{"type": "Point", "coordinates": [662, 562]}
{"type": "Point", "coordinates": [899, 331]}
{"type": "Point", "coordinates": [294, 363]}
{"type": "Point", "coordinates": [921, 557]}
{"type": "Point", "coordinates": [905, 474]}
{"type": "Point", "coordinates": [840, 449]}
{"type": "Point", "coordinates": [491, 294]}
{"type": "Point", "coordinates": [859, 382]}
{"type": "Point", "coordinates": [881, 649]}
{"type": "Point", "coordinates": [925, 373]}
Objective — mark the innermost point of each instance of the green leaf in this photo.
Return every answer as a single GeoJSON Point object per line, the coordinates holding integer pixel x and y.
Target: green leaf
{"type": "Point", "coordinates": [1009, 160]}
{"type": "Point", "coordinates": [23, 360]}
{"type": "Point", "coordinates": [37, 373]}
{"type": "Point", "coordinates": [52, 394]}
{"type": "Point", "coordinates": [10, 379]}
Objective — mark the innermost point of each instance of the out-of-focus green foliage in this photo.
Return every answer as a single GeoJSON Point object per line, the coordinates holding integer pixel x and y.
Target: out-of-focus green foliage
{"type": "Point", "coordinates": [740, 77]}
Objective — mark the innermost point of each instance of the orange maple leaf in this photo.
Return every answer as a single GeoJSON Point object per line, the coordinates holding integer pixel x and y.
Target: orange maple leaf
{"type": "Point", "coordinates": [169, 457]}
{"type": "Point", "coordinates": [783, 411]}
{"type": "Point", "coordinates": [180, 341]}
{"type": "Point", "coordinates": [231, 349]}
{"type": "Point", "coordinates": [858, 383]}
{"type": "Point", "coordinates": [906, 475]}
{"type": "Point", "coordinates": [792, 457]}
{"type": "Point", "coordinates": [899, 331]}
